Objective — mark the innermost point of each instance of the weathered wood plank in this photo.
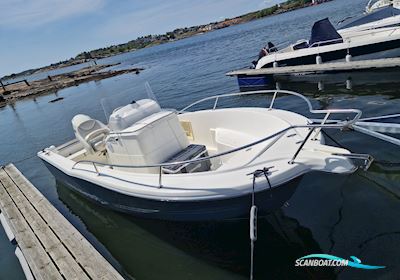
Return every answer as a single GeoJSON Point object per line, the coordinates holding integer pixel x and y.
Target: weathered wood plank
{"type": "Point", "coordinates": [51, 243]}
{"type": "Point", "coordinates": [84, 253]}
{"type": "Point", "coordinates": [39, 262]}
{"type": "Point", "coordinates": [324, 67]}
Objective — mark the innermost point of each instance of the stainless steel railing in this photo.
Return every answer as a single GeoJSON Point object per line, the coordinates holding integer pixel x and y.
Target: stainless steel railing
{"type": "Point", "coordinates": [275, 93]}
{"type": "Point", "coordinates": [312, 127]}
{"type": "Point", "coordinates": [318, 44]}
{"type": "Point", "coordinates": [95, 164]}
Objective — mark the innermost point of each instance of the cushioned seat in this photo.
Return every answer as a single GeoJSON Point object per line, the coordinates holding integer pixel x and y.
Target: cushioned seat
{"type": "Point", "coordinates": [91, 133]}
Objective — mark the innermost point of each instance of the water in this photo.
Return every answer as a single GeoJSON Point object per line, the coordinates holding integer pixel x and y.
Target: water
{"type": "Point", "coordinates": [346, 216]}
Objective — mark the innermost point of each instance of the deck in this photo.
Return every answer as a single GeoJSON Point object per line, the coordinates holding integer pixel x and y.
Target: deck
{"type": "Point", "coordinates": [361, 65]}
{"type": "Point", "coordinates": [50, 245]}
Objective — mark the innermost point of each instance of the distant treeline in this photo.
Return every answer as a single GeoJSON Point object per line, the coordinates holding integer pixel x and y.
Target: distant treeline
{"type": "Point", "coordinates": [181, 33]}
{"type": "Point", "coordinates": [177, 34]}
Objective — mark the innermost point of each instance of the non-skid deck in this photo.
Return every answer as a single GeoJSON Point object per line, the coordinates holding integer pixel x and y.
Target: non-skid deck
{"type": "Point", "coordinates": [322, 68]}
{"type": "Point", "coordinates": [51, 246]}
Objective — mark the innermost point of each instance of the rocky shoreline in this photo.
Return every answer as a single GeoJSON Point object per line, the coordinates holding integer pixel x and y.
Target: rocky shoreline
{"type": "Point", "coordinates": [11, 92]}
{"type": "Point", "coordinates": [177, 34]}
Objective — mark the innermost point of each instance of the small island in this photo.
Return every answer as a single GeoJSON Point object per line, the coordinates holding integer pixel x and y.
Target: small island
{"type": "Point", "coordinates": [17, 90]}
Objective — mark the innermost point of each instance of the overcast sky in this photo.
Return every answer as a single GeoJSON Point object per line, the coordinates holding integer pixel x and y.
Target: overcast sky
{"type": "Point", "coordinates": [36, 33]}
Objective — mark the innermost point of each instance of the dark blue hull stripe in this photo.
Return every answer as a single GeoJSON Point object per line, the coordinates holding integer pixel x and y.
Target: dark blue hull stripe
{"type": "Point", "coordinates": [267, 201]}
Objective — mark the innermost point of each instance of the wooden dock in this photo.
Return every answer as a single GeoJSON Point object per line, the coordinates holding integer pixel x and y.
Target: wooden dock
{"type": "Point", "coordinates": [51, 246]}
{"type": "Point", "coordinates": [322, 68]}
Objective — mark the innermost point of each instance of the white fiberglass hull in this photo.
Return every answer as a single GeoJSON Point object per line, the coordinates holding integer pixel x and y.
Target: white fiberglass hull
{"type": "Point", "coordinates": [218, 194]}
{"type": "Point", "coordinates": [203, 210]}
{"type": "Point", "coordinates": [366, 44]}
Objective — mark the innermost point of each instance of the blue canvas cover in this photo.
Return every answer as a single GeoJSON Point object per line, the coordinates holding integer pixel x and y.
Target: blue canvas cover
{"type": "Point", "coordinates": [377, 15]}
{"type": "Point", "coordinates": [323, 31]}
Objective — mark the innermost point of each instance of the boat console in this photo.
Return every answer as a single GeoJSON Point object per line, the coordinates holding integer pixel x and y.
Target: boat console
{"type": "Point", "coordinates": [143, 134]}
{"type": "Point", "coordinates": [124, 117]}
{"type": "Point", "coordinates": [139, 134]}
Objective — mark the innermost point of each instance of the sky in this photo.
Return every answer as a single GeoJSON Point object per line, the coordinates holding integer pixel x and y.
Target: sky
{"type": "Point", "coordinates": [36, 33]}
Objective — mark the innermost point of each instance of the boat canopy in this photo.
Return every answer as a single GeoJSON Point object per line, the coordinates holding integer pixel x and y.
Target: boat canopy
{"type": "Point", "coordinates": [324, 33]}
{"type": "Point", "coordinates": [375, 16]}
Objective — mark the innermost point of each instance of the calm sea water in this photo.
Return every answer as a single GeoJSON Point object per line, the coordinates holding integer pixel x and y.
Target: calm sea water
{"type": "Point", "coordinates": [355, 215]}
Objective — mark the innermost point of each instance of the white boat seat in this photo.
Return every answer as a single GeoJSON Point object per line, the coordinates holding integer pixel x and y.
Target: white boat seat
{"type": "Point", "coordinates": [227, 139]}
{"type": "Point", "coordinates": [90, 132]}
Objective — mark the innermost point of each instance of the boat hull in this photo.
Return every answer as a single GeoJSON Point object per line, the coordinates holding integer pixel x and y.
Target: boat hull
{"type": "Point", "coordinates": [237, 207]}
{"type": "Point", "coordinates": [388, 49]}
{"type": "Point", "coordinates": [376, 51]}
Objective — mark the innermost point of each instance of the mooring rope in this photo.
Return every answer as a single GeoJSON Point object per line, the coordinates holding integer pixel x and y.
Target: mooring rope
{"type": "Point", "coordinates": [381, 162]}
{"type": "Point", "coordinates": [253, 226]}
{"type": "Point", "coordinates": [20, 160]}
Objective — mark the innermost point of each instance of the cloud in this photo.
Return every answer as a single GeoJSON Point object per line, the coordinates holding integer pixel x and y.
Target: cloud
{"type": "Point", "coordinates": [33, 13]}
{"type": "Point", "coordinates": [139, 22]}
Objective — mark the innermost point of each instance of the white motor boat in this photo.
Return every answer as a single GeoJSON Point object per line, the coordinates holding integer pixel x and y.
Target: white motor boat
{"type": "Point", "coordinates": [372, 36]}
{"type": "Point", "coordinates": [197, 165]}
{"type": "Point", "coordinates": [376, 5]}
{"type": "Point", "coordinates": [385, 19]}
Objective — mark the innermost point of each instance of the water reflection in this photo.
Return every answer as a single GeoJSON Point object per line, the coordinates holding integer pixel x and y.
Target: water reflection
{"type": "Point", "coordinates": [365, 82]}
{"type": "Point", "coordinates": [206, 250]}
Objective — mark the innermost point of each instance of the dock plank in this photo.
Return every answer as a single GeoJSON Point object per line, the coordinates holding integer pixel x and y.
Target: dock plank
{"type": "Point", "coordinates": [84, 253]}
{"type": "Point", "coordinates": [321, 68]}
{"type": "Point", "coordinates": [51, 243]}
{"type": "Point", "coordinates": [40, 263]}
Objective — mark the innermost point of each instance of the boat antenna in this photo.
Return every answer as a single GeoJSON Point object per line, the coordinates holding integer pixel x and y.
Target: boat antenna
{"type": "Point", "coordinates": [149, 91]}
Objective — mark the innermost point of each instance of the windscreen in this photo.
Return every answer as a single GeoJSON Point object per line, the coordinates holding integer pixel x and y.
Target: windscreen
{"type": "Point", "coordinates": [125, 97]}
{"type": "Point", "coordinates": [324, 33]}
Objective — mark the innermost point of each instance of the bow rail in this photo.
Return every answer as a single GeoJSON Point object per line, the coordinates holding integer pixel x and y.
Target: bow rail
{"type": "Point", "coordinates": [314, 128]}
{"type": "Point", "coordinates": [197, 160]}
{"type": "Point", "coordinates": [275, 93]}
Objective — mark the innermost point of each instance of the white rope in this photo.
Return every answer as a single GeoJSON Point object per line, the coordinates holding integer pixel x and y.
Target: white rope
{"type": "Point", "coordinates": [253, 226]}
{"type": "Point", "coordinates": [253, 213]}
